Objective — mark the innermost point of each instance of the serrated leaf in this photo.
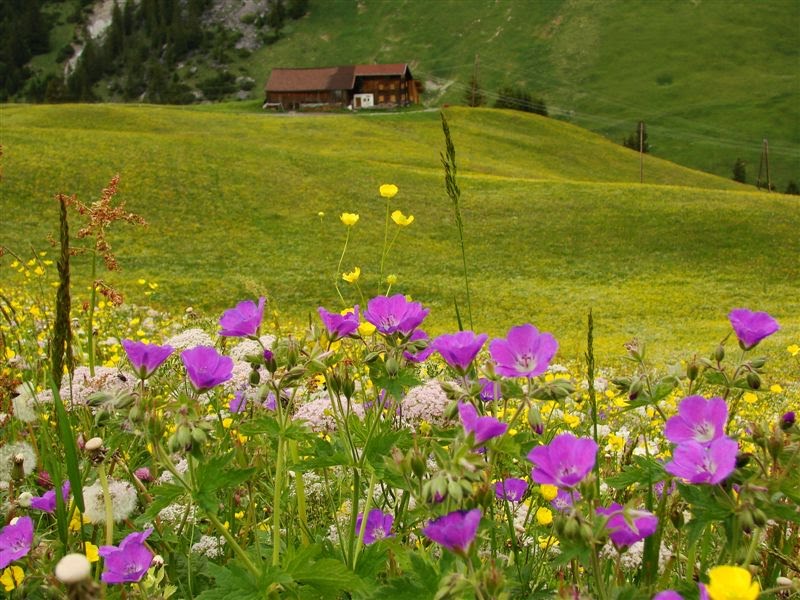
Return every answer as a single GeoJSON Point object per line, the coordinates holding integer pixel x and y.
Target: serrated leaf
{"type": "Point", "coordinates": [329, 576]}
{"type": "Point", "coordinates": [236, 583]}
{"type": "Point", "coordinates": [643, 470]}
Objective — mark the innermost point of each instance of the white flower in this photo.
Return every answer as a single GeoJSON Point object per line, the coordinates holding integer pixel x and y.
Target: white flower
{"type": "Point", "coordinates": [209, 546]}
{"type": "Point", "coordinates": [123, 501]}
{"type": "Point", "coordinates": [7, 457]}
{"type": "Point", "coordinates": [174, 513]}
{"type": "Point", "coordinates": [189, 339]}
{"type": "Point", "coordinates": [251, 347]}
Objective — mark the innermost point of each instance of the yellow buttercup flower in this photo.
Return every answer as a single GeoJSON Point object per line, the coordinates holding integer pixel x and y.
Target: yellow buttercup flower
{"type": "Point", "coordinates": [547, 541]}
{"type": "Point", "coordinates": [349, 219]}
{"type": "Point", "coordinates": [750, 397]}
{"type": "Point", "coordinates": [401, 219]}
{"type": "Point", "coordinates": [12, 577]}
{"type": "Point", "coordinates": [366, 329]}
{"type": "Point", "coordinates": [794, 349]}
{"type": "Point", "coordinates": [544, 516]}
{"type": "Point", "coordinates": [352, 276]}
{"type": "Point", "coordinates": [388, 190]}
{"type": "Point", "coordinates": [391, 279]}
{"type": "Point", "coordinates": [548, 492]}
{"type": "Point", "coordinates": [91, 552]}
{"type": "Point", "coordinates": [775, 388]}
{"type": "Point", "coordinates": [731, 583]}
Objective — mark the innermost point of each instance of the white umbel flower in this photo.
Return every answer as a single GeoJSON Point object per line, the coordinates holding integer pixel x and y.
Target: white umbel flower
{"type": "Point", "coordinates": [211, 547]}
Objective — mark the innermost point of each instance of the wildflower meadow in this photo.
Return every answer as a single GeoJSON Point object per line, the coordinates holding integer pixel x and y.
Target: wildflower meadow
{"type": "Point", "coordinates": [160, 454]}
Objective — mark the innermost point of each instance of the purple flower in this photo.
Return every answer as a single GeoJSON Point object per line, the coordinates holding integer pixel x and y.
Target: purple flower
{"type": "Point", "coordinates": [15, 541]}
{"type": "Point", "coordinates": [627, 526]}
{"type": "Point", "coordinates": [143, 474]}
{"type": "Point", "coordinates": [421, 355]}
{"type": "Point", "coordinates": [490, 390]}
{"type": "Point", "coordinates": [459, 349]}
{"type": "Point", "coordinates": [751, 327]}
{"type": "Point", "coordinates": [129, 562]}
{"type": "Point", "coordinates": [47, 501]}
{"type": "Point", "coordinates": [395, 314]}
{"type": "Point", "coordinates": [206, 367]}
{"type": "Point", "coordinates": [456, 530]}
{"type": "Point", "coordinates": [146, 358]}
{"type": "Point", "coordinates": [238, 402]}
{"type": "Point", "coordinates": [511, 489]}
{"type": "Point", "coordinates": [484, 428]}
{"type": "Point", "coordinates": [378, 526]}
{"type": "Point", "coordinates": [698, 419]}
{"type": "Point", "coordinates": [243, 320]}
{"type": "Point", "coordinates": [698, 463]}
{"type": "Point", "coordinates": [564, 500]}
{"type": "Point", "coordinates": [788, 420]}
{"type": "Point", "coordinates": [564, 462]}
{"type": "Point", "coordinates": [668, 595]}
{"type": "Point", "coordinates": [270, 402]}
{"type": "Point", "coordinates": [339, 326]}
{"type": "Point", "coordinates": [524, 352]}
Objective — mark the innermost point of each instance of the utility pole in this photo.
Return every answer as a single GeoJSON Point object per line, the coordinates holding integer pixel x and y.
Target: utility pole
{"type": "Point", "coordinates": [764, 162]}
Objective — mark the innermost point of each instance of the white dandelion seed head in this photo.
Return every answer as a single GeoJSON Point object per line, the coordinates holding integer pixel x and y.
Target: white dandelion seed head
{"type": "Point", "coordinates": [17, 451]}
{"type": "Point", "coordinates": [123, 501]}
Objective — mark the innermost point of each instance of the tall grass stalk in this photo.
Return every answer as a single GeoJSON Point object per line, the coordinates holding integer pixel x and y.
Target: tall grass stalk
{"type": "Point", "coordinates": [454, 192]}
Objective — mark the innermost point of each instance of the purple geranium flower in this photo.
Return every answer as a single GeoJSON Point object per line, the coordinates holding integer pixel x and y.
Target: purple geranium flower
{"type": "Point", "coordinates": [459, 349]}
{"type": "Point", "coordinates": [129, 562]}
{"type": "Point", "coordinates": [698, 419]}
{"type": "Point", "coordinates": [421, 355]}
{"type": "Point", "coordinates": [698, 463]}
{"type": "Point", "coordinates": [668, 595]}
{"type": "Point", "coordinates": [206, 367]}
{"type": "Point", "coordinates": [456, 530]}
{"type": "Point", "coordinates": [751, 327]}
{"type": "Point", "coordinates": [511, 489]}
{"type": "Point", "coordinates": [378, 526]}
{"type": "Point", "coordinates": [146, 358]}
{"type": "Point", "coordinates": [564, 500]}
{"type": "Point", "coordinates": [484, 428]}
{"type": "Point", "coordinates": [15, 541]}
{"type": "Point", "coordinates": [238, 402]}
{"type": "Point", "coordinates": [564, 462]}
{"type": "Point", "coordinates": [243, 320]}
{"type": "Point", "coordinates": [627, 526]}
{"type": "Point", "coordinates": [339, 326]}
{"type": "Point", "coordinates": [524, 352]}
{"type": "Point", "coordinates": [395, 314]}
{"type": "Point", "coordinates": [47, 501]}
{"type": "Point", "coordinates": [490, 390]}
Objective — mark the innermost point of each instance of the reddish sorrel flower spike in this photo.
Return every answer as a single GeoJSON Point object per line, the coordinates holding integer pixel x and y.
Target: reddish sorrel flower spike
{"type": "Point", "coordinates": [456, 530]}
{"type": "Point", "coordinates": [395, 314]}
{"type": "Point", "coordinates": [698, 463]}
{"type": "Point", "coordinates": [459, 349]}
{"type": "Point", "coordinates": [129, 562]}
{"type": "Point", "coordinates": [524, 352]}
{"type": "Point", "coordinates": [339, 326]}
{"type": "Point", "coordinates": [146, 358]}
{"type": "Point", "coordinates": [484, 428]}
{"type": "Point", "coordinates": [627, 526]}
{"type": "Point", "coordinates": [378, 526]}
{"type": "Point", "coordinates": [511, 489]}
{"type": "Point", "coordinates": [698, 419]}
{"type": "Point", "coordinates": [15, 540]}
{"type": "Point", "coordinates": [47, 501]}
{"type": "Point", "coordinates": [564, 462]}
{"type": "Point", "coordinates": [243, 320]}
{"type": "Point", "coordinates": [751, 327]}
{"type": "Point", "coordinates": [206, 368]}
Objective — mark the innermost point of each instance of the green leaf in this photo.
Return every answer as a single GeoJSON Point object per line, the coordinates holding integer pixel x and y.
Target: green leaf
{"type": "Point", "coordinates": [212, 477]}
{"type": "Point", "coordinates": [163, 495]}
{"type": "Point", "coordinates": [329, 576]}
{"type": "Point", "coordinates": [70, 448]}
{"type": "Point", "coordinates": [236, 583]}
{"type": "Point", "coordinates": [642, 471]}
{"type": "Point", "coordinates": [706, 507]}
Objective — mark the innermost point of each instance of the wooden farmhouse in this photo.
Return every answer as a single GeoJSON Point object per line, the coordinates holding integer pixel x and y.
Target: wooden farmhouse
{"type": "Point", "coordinates": [353, 86]}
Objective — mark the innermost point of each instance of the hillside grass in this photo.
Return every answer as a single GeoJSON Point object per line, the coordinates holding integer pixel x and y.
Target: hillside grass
{"type": "Point", "coordinates": [711, 79]}
{"type": "Point", "coordinates": [555, 219]}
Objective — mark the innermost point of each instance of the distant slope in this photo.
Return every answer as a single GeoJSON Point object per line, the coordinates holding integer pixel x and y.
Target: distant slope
{"type": "Point", "coordinates": [555, 220]}
{"type": "Point", "coordinates": [711, 79]}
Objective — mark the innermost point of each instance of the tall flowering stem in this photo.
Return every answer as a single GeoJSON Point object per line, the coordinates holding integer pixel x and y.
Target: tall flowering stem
{"type": "Point", "coordinates": [592, 391]}
{"type": "Point", "coordinates": [449, 164]}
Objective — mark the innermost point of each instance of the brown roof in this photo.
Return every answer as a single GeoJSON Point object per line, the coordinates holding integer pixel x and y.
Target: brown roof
{"type": "Point", "coordinates": [309, 80]}
{"type": "Point", "coordinates": [327, 78]}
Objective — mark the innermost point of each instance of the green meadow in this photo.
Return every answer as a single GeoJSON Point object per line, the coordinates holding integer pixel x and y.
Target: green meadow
{"type": "Point", "coordinates": [555, 219]}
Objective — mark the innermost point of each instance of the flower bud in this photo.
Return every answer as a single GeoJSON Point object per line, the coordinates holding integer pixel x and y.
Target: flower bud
{"type": "Point", "coordinates": [255, 376]}
{"type": "Point", "coordinates": [392, 366]}
{"type": "Point", "coordinates": [18, 467]}
{"type": "Point", "coordinates": [758, 362]}
{"type": "Point", "coordinates": [535, 420]}
{"type": "Point", "coordinates": [692, 370]}
{"type": "Point", "coordinates": [93, 445]}
{"type": "Point", "coordinates": [269, 361]}
{"type": "Point", "coordinates": [788, 420]}
{"type": "Point", "coordinates": [753, 380]}
{"type": "Point", "coordinates": [24, 499]}
{"type": "Point", "coordinates": [784, 582]}
{"type": "Point", "coordinates": [719, 353]}
{"type": "Point", "coordinates": [418, 466]}
{"type": "Point", "coordinates": [743, 459]}
{"type": "Point", "coordinates": [199, 436]}
{"type": "Point", "coordinates": [455, 491]}
{"type": "Point", "coordinates": [759, 517]}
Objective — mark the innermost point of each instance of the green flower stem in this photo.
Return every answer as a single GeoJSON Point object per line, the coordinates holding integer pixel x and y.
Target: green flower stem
{"type": "Point", "coordinates": [238, 550]}
{"type": "Point", "coordinates": [276, 504]}
{"type": "Point", "coordinates": [353, 517]}
{"type": "Point", "coordinates": [301, 495]}
{"type": "Point", "coordinates": [385, 240]}
{"type": "Point", "coordinates": [92, 301]}
{"type": "Point", "coordinates": [339, 267]}
{"type": "Point", "coordinates": [365, 514]}
{"type": "Point", "coordinates": [109, 508]}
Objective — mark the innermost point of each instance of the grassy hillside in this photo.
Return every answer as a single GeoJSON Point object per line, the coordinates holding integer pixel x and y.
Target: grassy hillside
{"type": "Point", "coordinates": [711, 79]}
{"type": "Point", "coordinates": [555, 219]}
